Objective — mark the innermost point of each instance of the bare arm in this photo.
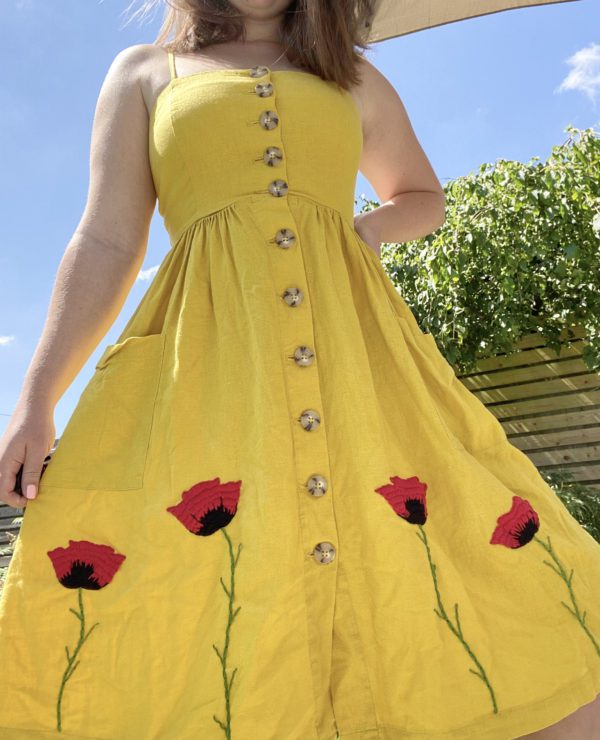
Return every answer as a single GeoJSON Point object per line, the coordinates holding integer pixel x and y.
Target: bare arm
{"type": "Point", "coordinates": [96, 272]}
{"type": "Point", "coordinates": [103, 257]}
{"type": "Point", "coordinates": [393, 161]}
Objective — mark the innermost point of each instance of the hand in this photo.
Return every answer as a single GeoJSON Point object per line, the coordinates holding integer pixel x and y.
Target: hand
{"type": "Point", "coordinates": [25, 443]}
{"type": "Point", "coordinates": [368, 232]}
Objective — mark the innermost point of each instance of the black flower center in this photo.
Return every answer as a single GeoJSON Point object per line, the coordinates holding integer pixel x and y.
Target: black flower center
{"type": "Point", "coordinates": [81, 575]}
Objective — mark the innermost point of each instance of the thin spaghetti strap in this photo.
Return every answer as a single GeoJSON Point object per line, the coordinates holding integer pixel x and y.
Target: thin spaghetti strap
{"type": "Point", "coordinates": [172, 65]}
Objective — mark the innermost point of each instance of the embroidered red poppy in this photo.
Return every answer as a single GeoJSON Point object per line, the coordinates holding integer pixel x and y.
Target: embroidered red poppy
{"type": "Point", "coordinates": [516, 527]}
{"type": "Point", "coordinates": [207, 506]}
{"type": "Point", "coordinates": [82, 564]}
{"type": "Point", "coordinates": [406, 496]}
{"type": "Point", "coordinates": [85, 564]}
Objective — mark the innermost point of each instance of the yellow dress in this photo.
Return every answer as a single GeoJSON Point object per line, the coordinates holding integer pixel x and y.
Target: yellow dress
{"type": "Point", "coordinates": [275, 513]}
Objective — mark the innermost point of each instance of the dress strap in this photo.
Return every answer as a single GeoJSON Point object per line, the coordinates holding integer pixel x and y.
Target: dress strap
{"type": "Point", "coordinates": [172, 65]}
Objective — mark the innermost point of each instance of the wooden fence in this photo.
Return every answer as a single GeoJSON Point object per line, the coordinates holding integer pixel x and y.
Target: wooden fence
{"type": "Point", "coordinates": [548, 403]}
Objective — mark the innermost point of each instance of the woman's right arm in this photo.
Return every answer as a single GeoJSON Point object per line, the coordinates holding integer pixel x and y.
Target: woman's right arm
{"type": "Point", "coordinates": [96, 272]}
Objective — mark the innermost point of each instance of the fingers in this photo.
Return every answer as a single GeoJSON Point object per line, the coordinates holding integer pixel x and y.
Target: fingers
{"type": "Point", "coordinates": [13, 499]}
{"type": "Point", "coordinates": [19, 484]}
{"type": "Point", "coordinates": [24, 456]}
{"type": "Point", "coordinates": [8, 481]}
{"type": "Point", "coordinates": [32, 471]}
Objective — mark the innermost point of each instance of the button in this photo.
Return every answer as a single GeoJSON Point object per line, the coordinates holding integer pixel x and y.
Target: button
{"type": "Point", "coordinates": [273, 155]}
{"type": "Point", "coordinates": [285, 238]}
{"type": "Point", "coordinates": [303, 356]}
{"type": "Point", "coordinates": [293, 296]}
{"type": "Point", "coordinates": [259, 71]}
{"type": "Point", "coordinates": [309, 419]}
{"type": "Point", "coordinates": [263, 89]}
{"type": "Point", "coordinates": [317, 485]}
{"type": "Point", "coordinates": [278, 188]}
{"type": "Point", "coordinates": [324, 552]}
{"type": "Point", "coordinates": [268, 119]}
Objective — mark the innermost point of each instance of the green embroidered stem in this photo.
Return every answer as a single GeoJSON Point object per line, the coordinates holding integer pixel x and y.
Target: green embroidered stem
{"type": "Point", "coordinates": [226, 727]}
{"type": "Point", "coordinates": [71, 665]}
{"type": "Point", "coordinates": [562, 573]}
{"type": "Point", "coordinates": [457, 631]}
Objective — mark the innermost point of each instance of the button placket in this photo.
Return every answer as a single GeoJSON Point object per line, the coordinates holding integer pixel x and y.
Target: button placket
{"type": "Point", "coordinates": [292, 308]}
{"type": "Point", "coordinates": [290, 275]}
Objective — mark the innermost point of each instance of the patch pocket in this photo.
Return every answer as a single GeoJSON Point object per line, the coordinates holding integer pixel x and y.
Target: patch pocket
{"type": "Point", "coordinates": [105, 442]}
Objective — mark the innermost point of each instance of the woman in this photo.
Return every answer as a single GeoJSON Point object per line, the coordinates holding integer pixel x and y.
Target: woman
{"type": "Point", "coordinates": [371, 553]}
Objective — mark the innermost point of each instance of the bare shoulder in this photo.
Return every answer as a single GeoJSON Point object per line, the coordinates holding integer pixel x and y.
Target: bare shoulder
{"type": "Point", "coordinates": [140, 68]}
{"type": "Point", "coordinates": [375, 96]}
{"type": "Point", "coordinates": [121, 195]}
{"type": "Point", "coordinates": [129, 65]}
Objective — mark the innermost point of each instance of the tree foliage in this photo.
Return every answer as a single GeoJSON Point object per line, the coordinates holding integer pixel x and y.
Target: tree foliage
{"type": "Point", "coordinates": [519, 252]}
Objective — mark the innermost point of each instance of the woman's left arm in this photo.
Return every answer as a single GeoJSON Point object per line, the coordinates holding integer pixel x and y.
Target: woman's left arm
{"type": "Point", "coordinates": [393, 161]}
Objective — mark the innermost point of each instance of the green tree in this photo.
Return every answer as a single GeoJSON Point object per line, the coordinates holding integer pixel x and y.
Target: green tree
{"type": "Point", "coordinates": [519, 252]}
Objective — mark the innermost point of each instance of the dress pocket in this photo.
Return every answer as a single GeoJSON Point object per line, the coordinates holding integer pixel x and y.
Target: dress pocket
{"type": "Point", "coordinates": [397, 304]}
{"type": "Point", "coordinates": [105, 443]}
{"type": "Point", "coordinates": [365, 247]}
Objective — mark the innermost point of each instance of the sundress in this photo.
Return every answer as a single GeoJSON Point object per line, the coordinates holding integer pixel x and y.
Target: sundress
{"type": "Point", "coordinates": [275, 512]}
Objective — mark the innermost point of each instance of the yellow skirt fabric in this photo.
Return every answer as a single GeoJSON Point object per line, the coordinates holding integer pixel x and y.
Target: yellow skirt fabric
{"type": "Point", "coordinates": [275, 513]}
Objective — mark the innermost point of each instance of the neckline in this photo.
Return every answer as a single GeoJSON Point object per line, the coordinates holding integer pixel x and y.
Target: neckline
{"type": "Point", "coordinates": [235, 71]}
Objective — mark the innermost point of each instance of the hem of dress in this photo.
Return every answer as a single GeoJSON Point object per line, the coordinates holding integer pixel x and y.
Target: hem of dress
{"type": "Point", "coordinates": [517, 721]}
{"type": "Point", "coordinates": [508, 725]}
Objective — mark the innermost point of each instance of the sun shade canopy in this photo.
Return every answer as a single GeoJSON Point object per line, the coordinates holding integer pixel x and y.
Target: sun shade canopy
{"type": "Point", "coordinates": [399, 17]}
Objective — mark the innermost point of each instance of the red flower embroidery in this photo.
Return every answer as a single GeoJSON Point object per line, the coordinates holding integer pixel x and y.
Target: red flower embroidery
{"type": "Point", "coordinates": [207, 506]}
{"type": "Point", "coordinates": [85, 564]}
{"type": "Point", "coordinates": [516, 527]}
{"type": "Point", "coordinates": [406, 496]}
{"type": "Point", "coordinates": [82, 564]}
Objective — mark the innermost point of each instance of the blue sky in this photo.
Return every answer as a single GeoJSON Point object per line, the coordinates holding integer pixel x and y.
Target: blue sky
{"type": "Point", "coordinates": [504, 85]}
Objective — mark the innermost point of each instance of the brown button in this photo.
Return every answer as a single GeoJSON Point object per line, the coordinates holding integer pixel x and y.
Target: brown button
{"type": "Point", "coordinates": [260, 70]}
{"type": "Point", "coordinates": [309, 419]}
{"type": "Point", "coordinates": [317, 485]}
{"type": "Point", "coordinates": [263, 89]}
{"type": "Point", "coordinates": [293, 296]}
{"type": "Point", "coordinates": [278, 188]}
{"type": "Point", "coordinates": [303, 356]}
{"type": "Point", "coordinates": [273, 155]}
{"type": "Point", "coordinates": [284, 238]}
{"type": "Point", "coordinates": [324, 552]}
{"type": "Point", "coordinates": [268, 119]}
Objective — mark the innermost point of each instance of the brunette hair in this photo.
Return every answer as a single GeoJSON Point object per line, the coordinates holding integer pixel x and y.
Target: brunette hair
{"type": "Point", "coordinates": [321, 34]}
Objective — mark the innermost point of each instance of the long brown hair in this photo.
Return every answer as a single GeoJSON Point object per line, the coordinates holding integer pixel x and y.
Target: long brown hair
{"type": "Point", "coordinates": [322, 35]}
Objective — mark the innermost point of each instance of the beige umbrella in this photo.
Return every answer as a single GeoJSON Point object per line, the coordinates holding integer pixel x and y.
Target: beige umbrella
{"type": "Point", "coordinates": [399, 17]}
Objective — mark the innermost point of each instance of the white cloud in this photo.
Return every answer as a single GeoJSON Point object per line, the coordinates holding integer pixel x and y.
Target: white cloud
{"type": "Point", "coordinates": [585, 72]}
{"type": "Point", "coordinates": [148, 274]}
{"type": "Point", "coordinates": [5, 340]}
